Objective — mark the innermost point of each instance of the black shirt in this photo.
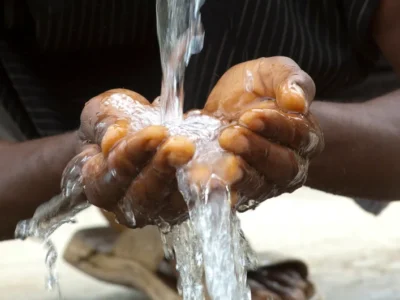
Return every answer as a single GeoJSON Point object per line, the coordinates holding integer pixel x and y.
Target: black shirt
{"type": "Point", "coordinates": [55, 55]}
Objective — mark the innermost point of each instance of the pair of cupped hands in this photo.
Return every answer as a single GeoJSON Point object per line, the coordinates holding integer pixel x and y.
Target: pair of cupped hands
{"type": "Point", "coordinates": [268, 130]}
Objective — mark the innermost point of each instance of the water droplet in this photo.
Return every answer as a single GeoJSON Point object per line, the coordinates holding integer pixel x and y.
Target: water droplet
{"type": "Point", "coordinates": [249, 81]}
{"type": "Point", "coordinates": [164, 226]}
{"type": "Point", "coordinates": [125, 205]}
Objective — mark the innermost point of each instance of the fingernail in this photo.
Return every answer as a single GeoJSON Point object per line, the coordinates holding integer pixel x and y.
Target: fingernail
{"type": "Point", "coordinates": [233, 171]}
{"type": "Point", "coordinates": [180, 150]}
{"type": "Point", "coordinates": [155, 135]}
{"type": "Point", "coordinates": [292, 98]}
{"type": "Point", "coordinates": [200, 174]}
{"type": "Point", "coordinates": [232, 139]}
{"type": "Point", "coordinates": [113, 134]}
{"type": "Point", "coordinates": [252, 121]}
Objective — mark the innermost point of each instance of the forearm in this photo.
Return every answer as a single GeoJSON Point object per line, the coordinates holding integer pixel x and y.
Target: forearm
{"type": "Point", "coordinates": [362, 144]}
{"type": "Point", "coordinates": [30, 174]}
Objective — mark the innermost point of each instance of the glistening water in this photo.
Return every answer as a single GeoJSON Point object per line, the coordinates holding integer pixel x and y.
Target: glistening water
{"type": "Point", "coordinates": [180, 35]}
{"type": "Point", "coordinates": [211, 253]}
{"type": "Point", "coordinates": [58, 211]}
{"type": "Point", "coordinates": [209, 248]}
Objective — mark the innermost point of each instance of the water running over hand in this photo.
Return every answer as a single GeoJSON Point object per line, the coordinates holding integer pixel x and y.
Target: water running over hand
{"type": "Point", "coordinates": [209, 248]}
{"type": "Point", "coordinates": [211, 253]}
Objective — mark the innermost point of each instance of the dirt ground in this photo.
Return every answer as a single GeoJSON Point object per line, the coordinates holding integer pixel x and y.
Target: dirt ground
{"type": "Point", "coordinates": [352, 255]}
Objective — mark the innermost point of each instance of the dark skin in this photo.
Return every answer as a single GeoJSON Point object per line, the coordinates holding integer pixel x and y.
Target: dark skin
{"type": "Point", "coordinates": [144, 161]}
{"type": "Point", "coordinates": [353, 146]}
{"type": "Point", "coordinates": [36, 166]}
{"type": "Point", "coordinates": [360, 157]}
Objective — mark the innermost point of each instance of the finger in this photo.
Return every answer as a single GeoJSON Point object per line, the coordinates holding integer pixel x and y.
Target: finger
{"type": "Point", "coordinates": [107, 109]}
{"type": "Point", "coordinates": [283, 79]}
{"type": "Point", "coordinates": [113, 134]}
{"type": "Point", "coordinates": [225, 171]}
{"type": "Point", "coordinates": [276, 163]}
{"type": "Point", "coordinates": [232, 171]}
{"type": "Point", "coordinates": [176, 152]}
{"type": "Point", "coordinates": [157, 181]}
{"type": "Point", "coordinates": [292, 130]}
{"type": "Point", "coordinates": [133, 152]}
{"type": "Point", "coordinates": [228, 168]}
{"type": "Point", "coordinates": [73, 173]}
{"type": "Point", "coordinates": [106, 179]}
{"type": "Point", "coordinates": [276, 77]}
{"type": "Point", "coordinates": [102, 189]}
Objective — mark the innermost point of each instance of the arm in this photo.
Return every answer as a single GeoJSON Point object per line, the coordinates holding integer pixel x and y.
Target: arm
{"type": "Point", "coordinates": [363, 139]}
{"type": "Point", "coordinates": [30, 175]}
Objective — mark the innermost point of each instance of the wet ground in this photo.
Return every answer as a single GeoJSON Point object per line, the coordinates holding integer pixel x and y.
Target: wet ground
{"type": "Point", "coordinates": [352, 255]}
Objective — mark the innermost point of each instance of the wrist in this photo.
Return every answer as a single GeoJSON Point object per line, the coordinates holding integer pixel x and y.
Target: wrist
{"type": "Point", "coordinates": [59, 150]}
{"type": "Point", "coordinates": [75, 142]}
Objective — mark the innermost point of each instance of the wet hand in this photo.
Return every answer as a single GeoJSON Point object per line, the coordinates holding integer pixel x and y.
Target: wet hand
{"type": "Point", "coordinates": [270, 131]}
{"type": "Point", "coordinates": [130, 162]}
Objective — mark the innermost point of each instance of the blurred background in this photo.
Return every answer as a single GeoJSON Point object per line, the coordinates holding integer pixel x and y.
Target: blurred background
{"type": "Point", "coordinates": [351, 253]}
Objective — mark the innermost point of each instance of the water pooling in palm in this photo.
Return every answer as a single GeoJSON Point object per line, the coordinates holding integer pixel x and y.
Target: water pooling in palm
{"type": "Point", "coordinates": [211, 253]}
{"type": "Point", "coordinates": [209, 247]}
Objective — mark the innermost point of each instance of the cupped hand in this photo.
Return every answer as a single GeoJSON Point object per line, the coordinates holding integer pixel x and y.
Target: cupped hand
{"type": "Point", "coordinates": [269, 135]}
{"type": "Point", "coordinates": [130, 162]}
{"type": "Point", "coordinates": [269, 131]}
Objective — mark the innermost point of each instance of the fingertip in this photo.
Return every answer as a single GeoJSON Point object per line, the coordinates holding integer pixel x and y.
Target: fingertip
{"type": "Point", "coordinates": [97, 189]}
{"type": "Point", "coordinates": [292, 98]}
{"type": "Point", "coordinates": [232, 170]}
{"type": "Point", "coordinates": [232, 139]}
{"type": "Point", "coordinates": [156, 130]}
{"type": "Point", "coordinates": [200, 173]}
{"type": "Point", "coordinates": [154, 135]}
{"type": "Point", "coordinates": [93, 167]}
{"type": "Point", "coordinates": [252, 121]}
{"type": "Point", "coordinates": [113, 134]}
{"type": "Point", "coordinates": [228, 169]}
{"type": "Point", "coordinates": [134, 150]}
{"type": "Point", "coordinates": [177, 151]}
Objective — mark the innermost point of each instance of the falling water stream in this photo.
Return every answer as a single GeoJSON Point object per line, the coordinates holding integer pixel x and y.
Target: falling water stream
{"type": "Point", "coordinates": [211, 253]}
{"type": "Point", "coordinates": [208, 247]}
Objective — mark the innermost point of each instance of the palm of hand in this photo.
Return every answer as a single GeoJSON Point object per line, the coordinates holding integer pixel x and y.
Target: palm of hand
{"type": "Point", "coordinates": [132, 162]}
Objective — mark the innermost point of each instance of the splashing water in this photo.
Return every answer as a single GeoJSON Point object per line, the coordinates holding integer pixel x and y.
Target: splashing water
{"type": "Point", "coordinates": [58, 211]}
{"type": "Point", "coordinates": [208, 247]}
{"type": "Point", "coordinates": [211, 252]}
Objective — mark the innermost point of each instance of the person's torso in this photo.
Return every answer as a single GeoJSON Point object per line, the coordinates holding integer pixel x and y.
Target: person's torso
{"type": "Point", "coordinates": [60, 53]}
